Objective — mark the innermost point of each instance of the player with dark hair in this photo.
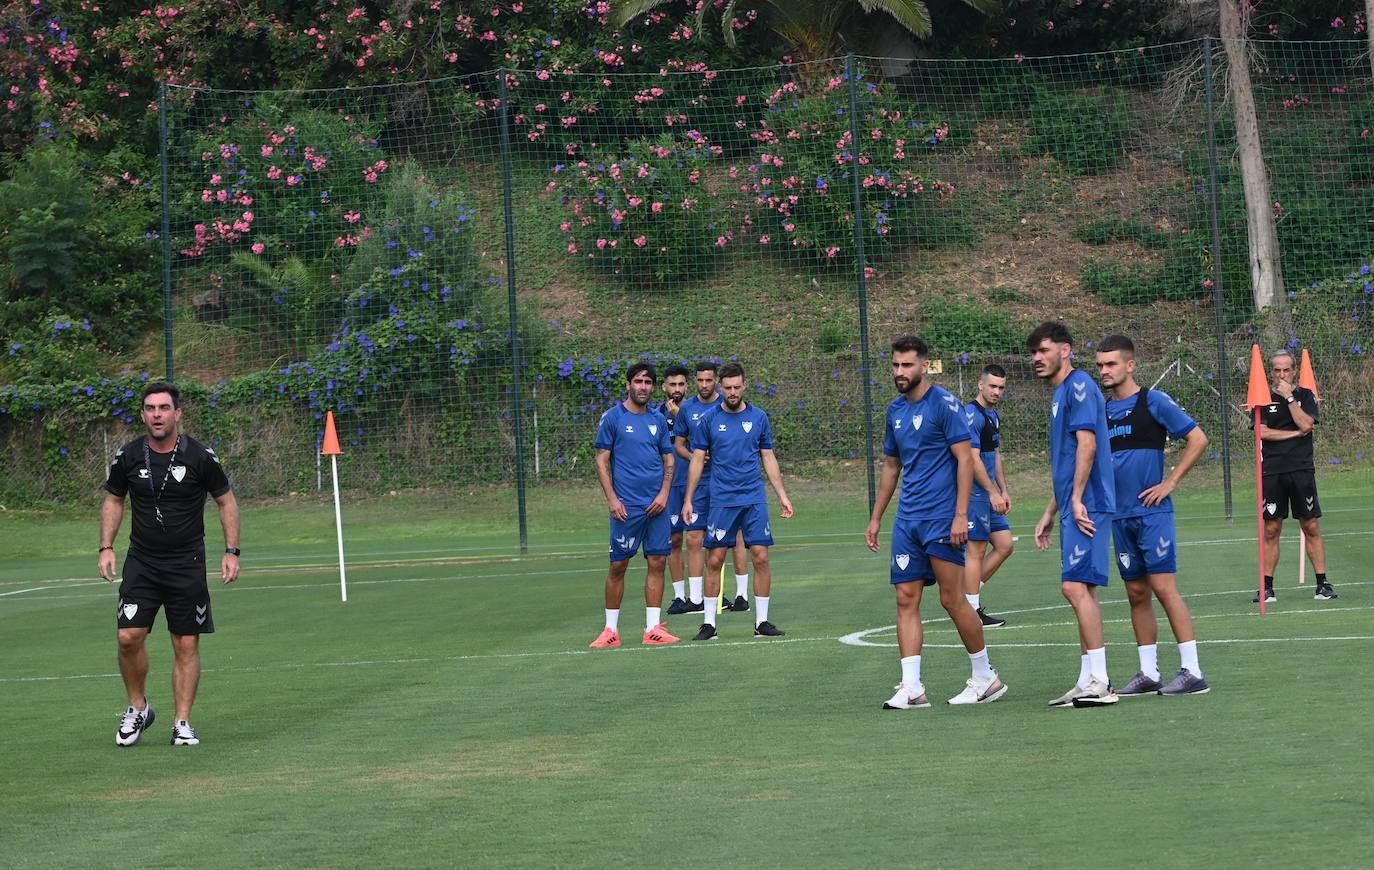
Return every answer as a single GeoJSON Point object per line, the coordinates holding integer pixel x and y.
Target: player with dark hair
{"type": "Point", "coordinates": [739, 438]}
{"type": "Point", "coordinates": [634, 464]}
{"type": "Point", "coordinates": [1288, 472]}
{"type": "Point", "coordinates": [1084, 497]}
{"type": "Point", "coordinates": [926, 449]}
{"type": "Point", "coordinates": [991, 501]}
{"type": "Point", "coordinates": [674, 392]}
{"type": "Point", "coordinates": [1139, 422]}
{"type": "Point", "coordinates": [693, 410]}
{"type": "Point", "coordinates": [167, 475]}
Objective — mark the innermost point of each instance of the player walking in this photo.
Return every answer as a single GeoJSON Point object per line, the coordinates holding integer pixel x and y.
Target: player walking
{"type": "Point", "coordinates": [991, 501]}
{"type": "Point", "coordinates": [1084, 496]}
{"type": "Point", "coordinates": [167, 476]}
{"type": "Point", "coordinates": [634, 463]}
{"type": "Point", "coordinates": [1139, 422]}
{"type": "Point", "coordinates": [926, 447]}
{"type": "Point", "coordinates": [739, 437]}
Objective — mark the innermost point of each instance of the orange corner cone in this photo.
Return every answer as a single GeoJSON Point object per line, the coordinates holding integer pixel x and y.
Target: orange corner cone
{"type": "Point", "coordinates": [1306, 379]}
{"type": "Point", "coordinates": [1258, 394]}
{"type": "Point", "coordinates": [331, 435]}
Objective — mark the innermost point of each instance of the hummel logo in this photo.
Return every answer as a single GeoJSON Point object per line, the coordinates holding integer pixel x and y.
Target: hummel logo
{"type": "Point", "coordinates": [143, 473]}
{"type": "Point", "coordinates": [629, 428]}
{"type": "Point", "coordinates": [748, 425]}
{"type": "Point", "coordinates": [1271, 508]}
{"type": "Point", "coordinates": [630, 545]}
{"type": "Point", "coordinates": [969, 416]}
{"type": "Point", "coordinates": [129, 610]}
{"type": "Point", "coordinates": [1310, 500]}
{"type": "Point", "coordinates": [1079, 395]}
{"type": "Point", "coordinates": [720, 428]}
{"type": "Point", "coordinates": [768, 530]}
{"type": "Point", "coordinates": [620, 540]}
{"type": "Point", "coordinates": [970, 525]}
{"type": "Point", "coordinates": [986, 522]}
{"type": "Point", "coordinates": [1163, 547]}
{"type": "Point", "coordinates": [917, 420]}
{"type": "Point", "coordinates": [1125, 560]}
{"type": "Point", "coordinates": [1054, 410]}
{"type": "Point", "coordinates": [178, 472]}
{"type": "Point", "coordinates": [1273, 409]}
{"type": "Point", "coordinates": [897, 424]}
{"type": "Point", "coordinates": [902, 561]}
{"type": "Point", "coordinates": [1076, 556]}
{"type": "Point", "coordinates": [653, 430]}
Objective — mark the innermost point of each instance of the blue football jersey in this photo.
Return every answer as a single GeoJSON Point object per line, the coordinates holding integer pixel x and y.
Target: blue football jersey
{"type": "Point", "coordinates": [734, 441]}
{"type": "Point", "coordinates": [986, 428]}
{"type": "Point", "coordinates": [1137, 469]}
{"type": "Point", "coordinates": [920, 434]}
{"type": "Point", "coordinates": [689, 417]}
{"type": "Point", "coordinates": [1078, 405]}
{"type": "Point", "coordinates": [637, 443]}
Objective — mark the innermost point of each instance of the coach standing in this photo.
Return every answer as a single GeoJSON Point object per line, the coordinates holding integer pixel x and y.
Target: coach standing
{"type": "Point", "coordinates": [1290, 476]}
{"type": "Point", "coordinates": [167, 476]}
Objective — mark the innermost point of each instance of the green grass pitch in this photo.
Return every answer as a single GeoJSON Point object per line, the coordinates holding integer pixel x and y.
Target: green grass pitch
{"type": "Point", "coordinates": [450, 713]}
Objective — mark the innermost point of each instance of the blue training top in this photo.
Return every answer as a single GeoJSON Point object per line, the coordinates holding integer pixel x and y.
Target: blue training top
{"type": "Point", "coordinates": [1078, 406]}
{"type": "Point", "coordinates": [637, 443]}
{"type": "Point", "coordinates": [920, 434]}
{"type": "Point", "coordinates": [734, 441]}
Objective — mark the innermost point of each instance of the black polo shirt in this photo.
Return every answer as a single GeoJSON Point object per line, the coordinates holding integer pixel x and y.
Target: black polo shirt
{"type": "Point", "coordinates": [191, 472]}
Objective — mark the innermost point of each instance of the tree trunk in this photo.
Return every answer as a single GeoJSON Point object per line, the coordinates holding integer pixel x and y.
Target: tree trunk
{"type": "Point", "coordinates": [1266, 279]}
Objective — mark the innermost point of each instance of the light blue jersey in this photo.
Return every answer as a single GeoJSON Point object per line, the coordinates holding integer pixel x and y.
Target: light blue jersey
{"type": "Point", "coordinates": [734, 441]}
{"type": "Point", "coordinates": [920, 435]}
{"type": "Point", "coordinates": [638, 443]}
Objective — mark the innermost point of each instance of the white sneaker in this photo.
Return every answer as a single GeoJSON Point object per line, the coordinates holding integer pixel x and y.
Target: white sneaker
{"type": "Point", "coordinates": [1098, 694]}
{"type": "Point", "coordinates": [184, 735]}
{"type": "Point", "coordinates": [133, 723]}
{"type": "Point", "coordinates": [1067, 699]}
{"type": "Point", "coordinates": [907, 698]}
{"type": "Point", "coordinates": [978, 691]}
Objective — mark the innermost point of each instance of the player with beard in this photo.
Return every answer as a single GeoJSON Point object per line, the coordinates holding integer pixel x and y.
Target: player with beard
{"type": "Point", "coordinates": [167, 476]}
{"type": "Point", "coordinates": [991, 501]}
{"type": "Point", "coordinates": [739, 438]}
{"type": "Point", "coordinates": [692, 412]}
{"type": "Point", "coordinates": [1140, 420]}
{"type": "Point", "coordinates": [674, 392]}
{"type": "Point", "coordinates": [1084, 497]}
{"type": "Point", "coordinates": [926, 448]}
{"type": "Point", "coordinates": [634, 464]}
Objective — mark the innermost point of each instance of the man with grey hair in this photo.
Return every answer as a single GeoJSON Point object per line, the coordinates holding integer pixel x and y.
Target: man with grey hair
{"type": "Point", "coordinates": [1288, 471]}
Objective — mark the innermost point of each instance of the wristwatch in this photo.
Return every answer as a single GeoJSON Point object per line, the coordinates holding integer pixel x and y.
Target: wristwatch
{"type": "Point", "coordinates": [231, 551]}
{"type": "Point", "coordinates": [1292, 399]}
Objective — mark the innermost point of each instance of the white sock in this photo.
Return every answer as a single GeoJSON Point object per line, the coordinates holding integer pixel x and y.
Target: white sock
{"type": "Point", "coordinates": [982, 669]}
{"type": "Point", "coordinates": [613, 620]}
{"type": "Point", "coordinates": [1083, 671]}
{"type": "Point", "coordinates": [981, 584]}
{"type": "Point", "coordinates": [911, 672]}
{"type": "Point", "coordinates": [1097, 664]}
{"type": "Point", "coordinates": [651, 618]}
{"type": "Point", "coordinates": [973, 601]}
{"type": "Point", "coordinates": [1149, 660]}
{"type": "Point", "coordinates": [679, 590]}
{"type": "Point", "coordinates": [741, 585]}
{"type": "Point", "coordinates": [760, 609]}
{"type": "Point", "coordinates": [694, 584]}
{"type": "Point", "coordinates": [1188, 652]}
{"type": "Point", "coordinates": [710, 613]}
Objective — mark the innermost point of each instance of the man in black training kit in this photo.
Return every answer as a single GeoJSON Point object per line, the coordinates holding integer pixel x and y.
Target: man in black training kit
{"type": "Point", "coordinates": [167, 476]}
{"type": "Point", "coordinates": [1289, 474]}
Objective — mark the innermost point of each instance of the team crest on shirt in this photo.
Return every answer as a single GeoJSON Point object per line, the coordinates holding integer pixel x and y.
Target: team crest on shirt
{"type": "Point", "coordinates": [653, 429]}
{"type": "Point", "coordinates": [178, 472]}
{"type": "Point", "coordinates": [917, 420]}
{"type": "Point", "coordinates": [1125, 559]}
{"type": "Point", "coordinates": [673, 519]}
{"type": "Point", "coordinates": [1054, 410]}
{"type": "Point", "coordinates": [748, 425]}
{"type": "Point", "coordinates": [902, 561]}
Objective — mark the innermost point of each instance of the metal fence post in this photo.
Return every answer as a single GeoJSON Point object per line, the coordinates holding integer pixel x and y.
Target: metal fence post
{"type": "Point", "coordinates": [166, 230]}
{"type": "Point", "coordinates": [517, 388]}
{"type": "Point", "coordinates": [1218, 294]}
{"type": "Point", "coordinates": [860, 276]}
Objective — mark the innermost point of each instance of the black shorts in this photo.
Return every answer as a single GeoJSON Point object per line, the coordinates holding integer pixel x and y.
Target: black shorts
{"type": "Point", "coordinates": [178, 585]}
{"type": "Point", "coordinates": [1299, 487]}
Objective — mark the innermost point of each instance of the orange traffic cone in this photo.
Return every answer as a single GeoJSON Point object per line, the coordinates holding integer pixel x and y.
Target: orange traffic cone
{"type": "Point", "coordinates": [1258, 393]}
{"type": "Point", "coordinates": [331, 437]}
{"type": "Point", "coordinates": [1306, 379]}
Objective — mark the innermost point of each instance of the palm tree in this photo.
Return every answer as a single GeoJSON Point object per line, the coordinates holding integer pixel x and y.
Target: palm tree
{"type": "Point", "coordinates": [812, 27]}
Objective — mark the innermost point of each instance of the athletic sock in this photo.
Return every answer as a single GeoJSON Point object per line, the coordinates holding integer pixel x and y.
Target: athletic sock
{"type": "Point", "coordinates": [982, 669]}
{"type": "Point", "coordinates": [1083, 672]}
{"type": "Point", "coordinates": [613, 620]}
{"type": "Point", "coordinates": [1268, 582]}
{"type": "Point", "coordinates": [973, 601]}
{"type": "Point", "coordinates": [679, 589]}
{"type": "Point", "coordinates": [981, 584]}
{"type": "Point", "coordinates": [694, 584]}
{"type": "Point", "coordinates": [1321, 577]}
{"type": "Point", "coordinates": [710, 613]}
{"type": "Point", "coordinates": [651, 618]}
{"type": "Point", "coordinates": [1188, 653]}
{"type": "Point", "coordinates": [760, 609]}
{"type": "Point", "coordinates": [1149, 660]}
{"type": "Point", "coordinates": [911, 672]}
{"type": "Point", "coordinates": [741, 585]}
{"type": "Point", "coordinates": [1097, 664]}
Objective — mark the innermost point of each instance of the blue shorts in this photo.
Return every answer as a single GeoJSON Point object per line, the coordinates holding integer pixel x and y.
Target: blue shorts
{"type": "Point", "coordinates": [703, 507]}
{"type": "Point", "coordinates": [1145, 545]}
{"type": "Point", "coordinates": [915, 543]}
{"type": "Point", "coordinates": [1085, 559]}
{"type": "Point", "coordinates": [638, 528]}
{"type": "Point", "coordinates": [983, 520]}
{"type": "Point", "coordinates": [725, 523]}
{"type": "Point", "coordinates": [675, 498]}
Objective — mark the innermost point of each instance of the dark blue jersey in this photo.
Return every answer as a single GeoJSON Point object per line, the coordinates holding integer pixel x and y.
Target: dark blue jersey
{"type": "Point", "coordinates": [986, 428]}
{"type": "Point", "coordinates": [734, 441]}
{"type": "Point", "coordinates": [1078, 406]}
{"type": "Point", "coordinates": [637, 443]}
{"type": "Point", "coordinates": [920, 435]}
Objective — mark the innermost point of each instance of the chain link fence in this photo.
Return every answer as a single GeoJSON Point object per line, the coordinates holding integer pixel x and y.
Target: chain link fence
{"type": "Point", "coordinates": [462, 269]}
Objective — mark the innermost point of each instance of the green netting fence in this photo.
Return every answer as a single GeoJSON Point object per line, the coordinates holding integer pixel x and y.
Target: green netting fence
{"type": "Point", "coordinates": [462, 269]}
